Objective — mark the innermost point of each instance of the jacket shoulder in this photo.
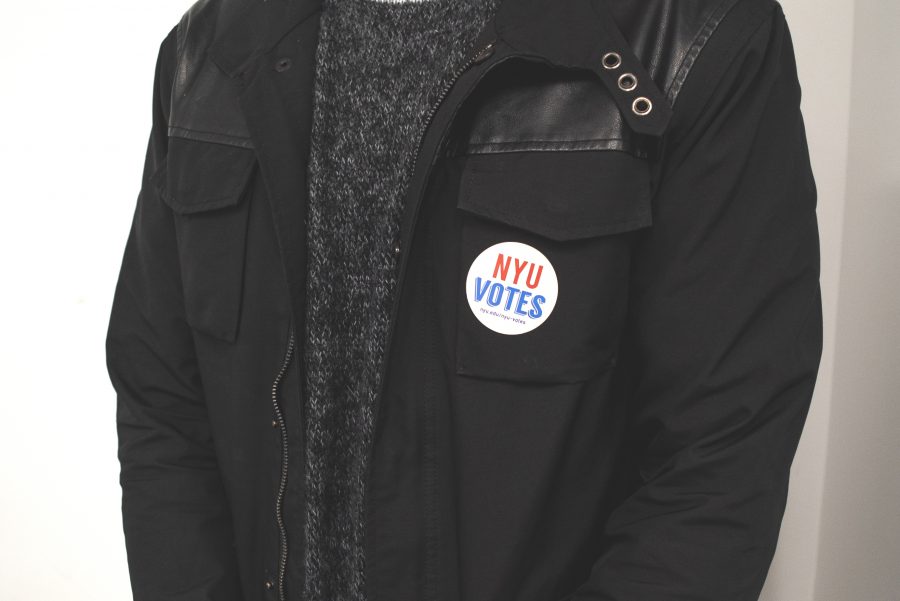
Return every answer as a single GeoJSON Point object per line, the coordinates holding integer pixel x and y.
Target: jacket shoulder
{"type": "Point", "coordinates": [201, 23]}
{"type": "Point", "coordinates": [668, 36]}
{"type": "Point", "coordinates": [218, 118]}
{"type": "Point", "coordinates": [206, 16]}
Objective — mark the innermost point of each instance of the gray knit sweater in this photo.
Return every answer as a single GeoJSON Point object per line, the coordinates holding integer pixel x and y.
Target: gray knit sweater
{"type": "Point", "coordinates": [380, 65]}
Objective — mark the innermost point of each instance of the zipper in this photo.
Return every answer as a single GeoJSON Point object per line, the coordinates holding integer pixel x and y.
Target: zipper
{"type": "Point", "coordinates": [480, 56]}
{"type": "Point", "coordinates": [282, 485]}
{"type": "Point", "coordinates": [483, 53]}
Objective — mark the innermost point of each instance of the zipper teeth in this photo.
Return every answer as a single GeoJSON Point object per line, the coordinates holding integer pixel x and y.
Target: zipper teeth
{"type": "Point", "coordinates": [279, 416]}
{"type": "Point", "coordinates": [282, 485]}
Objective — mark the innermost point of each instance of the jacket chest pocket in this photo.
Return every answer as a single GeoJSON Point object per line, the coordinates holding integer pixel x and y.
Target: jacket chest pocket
{"type": "Point", "coordinates": [207, 187]}
{"type": "Point", "coordinates": [545, 244]}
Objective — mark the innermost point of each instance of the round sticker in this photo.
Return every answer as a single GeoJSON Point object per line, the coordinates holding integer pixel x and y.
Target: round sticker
{"type": "Point", "coordinates": [511, 288]}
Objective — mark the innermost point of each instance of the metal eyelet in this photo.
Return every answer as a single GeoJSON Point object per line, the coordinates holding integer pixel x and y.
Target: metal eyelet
{"type": "Point", "coordinates": [641, 106]}
{"type": "Point", "coordinates": [627, 82]}
{"type": "Point", "coordinates": [611, 60]}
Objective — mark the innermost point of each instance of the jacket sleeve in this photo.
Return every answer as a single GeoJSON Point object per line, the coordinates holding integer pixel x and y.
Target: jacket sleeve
{"type": "Point", "coordinates": [724, 334]}
{"type": "Point", "coordinates": [176, 519]}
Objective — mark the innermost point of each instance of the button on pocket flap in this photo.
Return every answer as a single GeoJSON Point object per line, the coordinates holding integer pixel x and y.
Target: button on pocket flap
{"type": "Point", "coordinates": [202, 176]}
{"type": "Point", "coordinates": [561, 195]}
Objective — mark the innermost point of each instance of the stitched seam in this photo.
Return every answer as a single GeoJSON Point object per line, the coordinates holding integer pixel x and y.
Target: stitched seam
{"type": "Point", "coordinates": [698, 43]}
{"type": "Point", "coordinates": [586, 140]}
{"type": "Point", "coordinates": [213, 203]}
{"type": "Point", "coordinates": [752, 26]}
{"type": "Point", "coordinates": [737, 41]}
{"type": "Point", "coordinates": [598, 142]}
{"type": "Point", "coordinates": [204, 136]}
{"type": "Point", "coordinates": [527, 147]}
{"type": "Point", "coordinates": [596, 231]}
{"type": "Point", "coordinates": [508, 148]}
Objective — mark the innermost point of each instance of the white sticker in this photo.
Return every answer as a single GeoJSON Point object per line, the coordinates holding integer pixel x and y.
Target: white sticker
{"type": "Point", "coordinates": [511, 288]}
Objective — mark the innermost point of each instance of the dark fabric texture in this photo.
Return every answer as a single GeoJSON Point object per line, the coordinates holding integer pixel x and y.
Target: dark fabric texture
{"type": "Point", "coordinates": [380, 66]}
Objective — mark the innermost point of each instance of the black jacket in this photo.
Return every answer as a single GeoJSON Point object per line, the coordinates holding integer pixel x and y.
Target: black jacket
{"type": "Point", "coordinates": [634, 446]}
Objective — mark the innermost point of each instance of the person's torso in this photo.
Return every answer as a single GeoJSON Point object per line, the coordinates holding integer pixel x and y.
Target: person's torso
{"type": "Point", "coordinates": [498, 432]}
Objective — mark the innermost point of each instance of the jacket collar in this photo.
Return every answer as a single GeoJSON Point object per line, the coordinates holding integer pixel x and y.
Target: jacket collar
{"type": "Point", "coordinates": [572, 33]}
{"type": "Point", "coordinates": [255, 30]}
{"type": "Point", "coordinates": [544, 27]}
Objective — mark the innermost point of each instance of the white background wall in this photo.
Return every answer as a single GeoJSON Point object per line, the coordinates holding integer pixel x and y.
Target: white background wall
{"type": "Point", "coordinates": [76, 89]}
{"type": "Point", "coordinates": [77, 78]}
{"type": "Point", "coordinates": [859, 541]}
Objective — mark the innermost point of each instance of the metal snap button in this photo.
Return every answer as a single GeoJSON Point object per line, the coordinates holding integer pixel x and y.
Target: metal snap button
{"type": "Point", "coordinates": [283, 64]}
{"type": "Point", "coordinates": [274, 423]}
{"type": "Point", "coordinates": [641, 106]}
{"type": "Point", "coordinates": [627, 82]}
{"type": "Point", "coordinates": [269, 585]}
{"type": "Point", "coordinates": [611, 60]}
{"type": "Point", "coordinates": [397, 249]}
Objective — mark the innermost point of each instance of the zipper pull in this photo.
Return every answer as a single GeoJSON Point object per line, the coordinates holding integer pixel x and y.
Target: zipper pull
{"type": "Point", "coordinates": [484, 53]}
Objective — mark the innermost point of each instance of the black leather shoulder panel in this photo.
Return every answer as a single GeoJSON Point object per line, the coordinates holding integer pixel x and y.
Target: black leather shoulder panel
{"type": "Point", "coordinates": [524, 106]}
{"type": "Point", "coordinates": [204, 103]}
{"type": "Point", "coordinates": [669, 35]}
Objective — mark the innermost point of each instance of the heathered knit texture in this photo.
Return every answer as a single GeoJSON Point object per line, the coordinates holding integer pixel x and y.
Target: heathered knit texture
{"type": "Point", "coordinates": [379, 67]}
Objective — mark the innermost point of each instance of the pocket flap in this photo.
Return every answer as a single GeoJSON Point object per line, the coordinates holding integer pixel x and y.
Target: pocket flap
{"type": "Point", "coordinates": [204, 184]}
{"type": "Point", "coordinates": [202, 176]}
{"type": "Point", "coordinates": [561, 195]}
